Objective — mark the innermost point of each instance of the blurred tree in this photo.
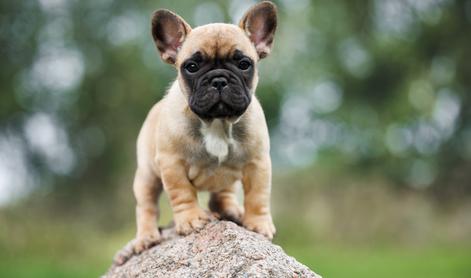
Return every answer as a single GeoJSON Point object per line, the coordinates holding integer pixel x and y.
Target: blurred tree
{"type": "Point", "coordinates": [372, 85]}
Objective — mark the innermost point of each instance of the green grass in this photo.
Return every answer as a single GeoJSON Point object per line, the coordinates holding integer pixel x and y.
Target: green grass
{"type": "Point", "coordinates": [38, 267]}
{"type": "Point", "coordinates": [340, 237]}
{"type": "Point", "coordinates": [329, 261]}
{"type": "Point", "coordinates": [427, 262]}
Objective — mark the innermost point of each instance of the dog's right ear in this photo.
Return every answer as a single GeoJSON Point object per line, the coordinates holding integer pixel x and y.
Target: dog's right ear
{"type": "Point", "coordinates": [169, 31]}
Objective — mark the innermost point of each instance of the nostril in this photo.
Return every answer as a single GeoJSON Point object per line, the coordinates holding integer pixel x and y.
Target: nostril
{"type": "Point", "coordinates": [219, 83]}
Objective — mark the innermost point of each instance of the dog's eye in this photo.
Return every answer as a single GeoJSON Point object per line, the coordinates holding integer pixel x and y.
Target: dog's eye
{"type": "Point", "coordinates": [244, 65]}
{"type": "Point", "coordinates": [192, 67]}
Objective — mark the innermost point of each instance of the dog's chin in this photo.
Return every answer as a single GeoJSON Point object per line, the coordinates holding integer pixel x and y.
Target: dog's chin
{"type": "Point", "coordinates": [219, 110]}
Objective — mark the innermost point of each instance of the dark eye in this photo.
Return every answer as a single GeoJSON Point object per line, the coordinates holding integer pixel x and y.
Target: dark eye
{"type": "Point", "coordinates": [192, 67]}
{"type": "Point", "coordinates": [244, 64]}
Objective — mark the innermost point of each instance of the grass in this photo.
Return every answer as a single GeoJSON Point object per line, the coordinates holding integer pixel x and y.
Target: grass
{"type": "Point", "coordinates": [349, 231]}
{"type": "Point", "coordinates": [386, 262]}
{"type": "Point", "coordinates": [329, 261]}
{"type": "Point", "coordinates": [38, 267]}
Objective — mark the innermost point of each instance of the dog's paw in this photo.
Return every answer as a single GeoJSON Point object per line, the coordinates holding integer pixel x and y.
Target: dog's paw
{"type": "Point", "coordinates": [145, 242]}
{"type": "Point", "coordinates": [191, 220]}
{"type": "Point", "coordinates": [232, 213]}
{"type": "Point", "coordinates": [136, 246]}
{"type": "Point", "coordinates": [261, 224]}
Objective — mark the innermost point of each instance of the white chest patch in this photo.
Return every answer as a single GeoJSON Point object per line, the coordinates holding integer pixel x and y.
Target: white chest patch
{"type": "Point", "coordinates": [217, 137]}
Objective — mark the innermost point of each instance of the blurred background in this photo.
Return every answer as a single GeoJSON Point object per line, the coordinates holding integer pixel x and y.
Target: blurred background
{"type": "Point", "coordinates": [368, 104]}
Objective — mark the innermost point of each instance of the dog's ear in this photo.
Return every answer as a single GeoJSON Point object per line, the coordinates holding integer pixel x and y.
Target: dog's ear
{"type": "Point", "coordinates": [259, 23]}
{"type": "Point", "coordinates": [169, 31]}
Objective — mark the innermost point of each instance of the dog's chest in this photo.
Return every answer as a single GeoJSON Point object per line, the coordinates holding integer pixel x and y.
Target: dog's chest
{"type": "Point", "coordinates": [218, 140]}
{"type": "Point", "coordinates": [217, 144]}
{"type": "Point", "coordinates": [218, 160]}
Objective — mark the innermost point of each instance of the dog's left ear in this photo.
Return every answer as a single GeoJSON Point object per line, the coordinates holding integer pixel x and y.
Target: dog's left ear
{"type": "Point", "coordinates": [259, 23]}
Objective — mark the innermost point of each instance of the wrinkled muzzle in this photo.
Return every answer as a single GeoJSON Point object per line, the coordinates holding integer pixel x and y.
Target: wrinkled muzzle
{"type": "Point", "coordinates": [219, 94]}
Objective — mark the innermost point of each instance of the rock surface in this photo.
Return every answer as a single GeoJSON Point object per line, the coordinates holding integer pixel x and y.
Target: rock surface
{"type": "Point", "coordinates": [221, 249]}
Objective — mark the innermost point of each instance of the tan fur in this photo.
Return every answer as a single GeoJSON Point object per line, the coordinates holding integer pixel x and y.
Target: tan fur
{"type": "Point", "coordinates": [169, 157]}
{"type": "Point", "coordinates": [163, 149]}
{"type": "Point", "coordinates": [216, 40]}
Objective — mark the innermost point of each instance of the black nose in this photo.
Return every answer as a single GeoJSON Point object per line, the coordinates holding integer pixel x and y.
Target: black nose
{"type": "Point", "coordinates": [219, 83]}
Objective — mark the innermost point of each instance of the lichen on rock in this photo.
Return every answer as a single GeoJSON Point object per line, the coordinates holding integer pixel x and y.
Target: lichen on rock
{"type": "Point", "coordinates": [220, 249]}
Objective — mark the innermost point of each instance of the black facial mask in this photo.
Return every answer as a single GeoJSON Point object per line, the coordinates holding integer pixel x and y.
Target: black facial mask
{"type": "Point", "coordinates": [219, 87]}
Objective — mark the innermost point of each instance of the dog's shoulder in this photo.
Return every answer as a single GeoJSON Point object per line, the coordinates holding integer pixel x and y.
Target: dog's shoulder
{"type": "Point", "coordinates": [254, 129]}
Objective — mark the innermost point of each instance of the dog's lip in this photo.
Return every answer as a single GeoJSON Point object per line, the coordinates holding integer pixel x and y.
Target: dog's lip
{"type": "Point", "coordinates": [222, 103]}
{"type": "Point", "coordinates": [218, 106]}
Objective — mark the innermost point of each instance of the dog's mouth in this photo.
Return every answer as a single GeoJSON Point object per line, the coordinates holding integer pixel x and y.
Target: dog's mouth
{"type": "Point", "coordinates": [228, 103]}
{"type": "Point", "coordinates": [219, 108]}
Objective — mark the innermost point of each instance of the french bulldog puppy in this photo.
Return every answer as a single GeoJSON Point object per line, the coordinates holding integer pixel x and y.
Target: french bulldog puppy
{"type": "Point", "coordinates": [209, 131]}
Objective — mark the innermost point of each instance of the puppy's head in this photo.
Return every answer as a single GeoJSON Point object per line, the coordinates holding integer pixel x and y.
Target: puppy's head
{"type": "Point", "coordinates": [216, 63]}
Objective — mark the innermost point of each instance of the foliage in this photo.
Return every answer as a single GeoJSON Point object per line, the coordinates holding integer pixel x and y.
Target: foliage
{"type": "Point", "coordinates": [368, 105]}
{"type": "Point", "coordinates": [376, 85]}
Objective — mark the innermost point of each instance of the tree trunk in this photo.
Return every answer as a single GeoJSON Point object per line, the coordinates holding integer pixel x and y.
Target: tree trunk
{"type": "Point", "coordinates": [221, 249]}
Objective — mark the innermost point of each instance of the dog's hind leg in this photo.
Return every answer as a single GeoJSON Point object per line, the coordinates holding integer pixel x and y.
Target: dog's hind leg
{"type": "Point", "coordinates": [147, 188]}
{"type": "Point", "coordinates": [224, 204]}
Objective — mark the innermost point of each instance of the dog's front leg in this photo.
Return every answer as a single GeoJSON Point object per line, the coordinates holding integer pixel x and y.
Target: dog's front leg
{"type": "Point", "coordinates": [257, 187]}
{"type": "Point", "coordinates": [187, 214]}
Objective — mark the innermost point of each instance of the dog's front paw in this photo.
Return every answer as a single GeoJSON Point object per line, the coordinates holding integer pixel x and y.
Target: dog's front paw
{"type": "Point", "coordinates": [261, 224]}
{"type": "Point", "coordinates": [191, 220]}
{"type": "Point", "coordinates": [146, 241]}
{"type": "Point", "coordinates": [136, 246]}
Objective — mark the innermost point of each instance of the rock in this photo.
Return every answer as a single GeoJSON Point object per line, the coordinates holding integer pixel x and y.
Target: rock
{"type": "Point", "coordinates": [220, 249]}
